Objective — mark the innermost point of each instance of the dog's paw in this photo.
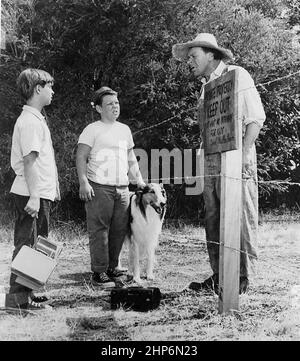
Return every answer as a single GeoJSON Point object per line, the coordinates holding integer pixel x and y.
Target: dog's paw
{"type": "Point", "coordinates": [138, 281]}
{"type": "Point", "coordinates": [150, 277]}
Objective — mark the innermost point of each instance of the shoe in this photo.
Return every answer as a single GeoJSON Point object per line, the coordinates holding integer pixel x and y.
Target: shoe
{"type": "Point", "coordinates": [244, 283]}
{"type": "Point", "coordinates": [102, 279]}
{"type": "Point", "coordinates": [122, 269]}
{"type": "Point", "coordinates": [40, 299]}
{"type": "Point", "coordinates": [115, 273]}
{"type": "Point", "coordinates": [211, 283]}
{"type": "Point", "coordinates": [32, 305]}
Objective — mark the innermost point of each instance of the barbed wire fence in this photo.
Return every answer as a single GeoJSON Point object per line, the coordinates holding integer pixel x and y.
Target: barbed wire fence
{"type": "Point", "coordinates": [194, 108]}
{"type": "Point", "coordinates": [262, 182]}
{"type": "Point", "coordinates": [199, 242]}
{"type": "Point", "coordinates": [259, 181]}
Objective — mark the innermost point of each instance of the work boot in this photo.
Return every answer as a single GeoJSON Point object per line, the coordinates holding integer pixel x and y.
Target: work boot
{"type": "Point", "coordinates": [244, 283]}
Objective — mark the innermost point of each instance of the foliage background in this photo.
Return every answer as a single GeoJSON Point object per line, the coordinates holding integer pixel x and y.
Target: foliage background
{"type": "Point", "coordinates": [126, 44]}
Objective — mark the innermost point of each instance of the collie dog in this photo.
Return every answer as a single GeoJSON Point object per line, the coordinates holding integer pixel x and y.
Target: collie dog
{"type": "Point", "coordinates": [147, 212]}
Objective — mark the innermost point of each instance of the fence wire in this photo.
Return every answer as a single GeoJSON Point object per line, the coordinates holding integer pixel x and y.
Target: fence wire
{"type": "Point", "coordinates": [195, 108]}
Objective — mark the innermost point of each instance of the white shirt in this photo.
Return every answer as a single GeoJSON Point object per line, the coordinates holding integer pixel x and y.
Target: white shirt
{"type": "Point", "coordinates": [31, 134]}
{"type": "Point", "coordinates": [108, 158]}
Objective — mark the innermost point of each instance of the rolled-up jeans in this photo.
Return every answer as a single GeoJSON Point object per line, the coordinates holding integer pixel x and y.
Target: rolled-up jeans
{"type": "Point", "coordinates": [107, 221]}
{"type": "Point", "coordinates": [249, 215]}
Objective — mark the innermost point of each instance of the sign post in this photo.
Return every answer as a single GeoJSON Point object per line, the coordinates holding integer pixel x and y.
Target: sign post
{"type": "Point", "coordinates": [222, 133]}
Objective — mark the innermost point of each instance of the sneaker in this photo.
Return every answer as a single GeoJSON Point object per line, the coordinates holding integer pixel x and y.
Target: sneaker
{"type": "Point", "coordinates": [244, 283]}
{"type": "Point", "coordinates": [122, 269]}
{"type": "Point", "coordinates": [32, 305]}
{"type": "Point", "coordinates": [102, 279]}
{"type": "Point", "coordinates": [40, 299]}
{"type": "Point", "coordinates": [211, 283]}
{"type": "Point", "coordinates": [115, 273]}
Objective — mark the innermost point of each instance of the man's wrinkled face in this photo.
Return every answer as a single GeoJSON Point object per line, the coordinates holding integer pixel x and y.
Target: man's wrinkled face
{"type": "Point", "coordinates": [199, 61]}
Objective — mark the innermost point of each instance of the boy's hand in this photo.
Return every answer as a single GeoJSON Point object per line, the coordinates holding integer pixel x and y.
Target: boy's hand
{"type": "Point", "coordinates": [86, 192]}
{"type": "Point", "coordinates": [33, 206]}
{"type": "Point", "coordinates": [141, 185]}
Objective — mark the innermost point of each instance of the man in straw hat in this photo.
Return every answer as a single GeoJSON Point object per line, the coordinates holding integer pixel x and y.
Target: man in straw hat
{"type": "Point", "coordinates": [208, 61]}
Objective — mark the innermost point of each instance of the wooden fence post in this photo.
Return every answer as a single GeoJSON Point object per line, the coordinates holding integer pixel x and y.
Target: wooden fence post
{"type": "Point", "coordinates": [223, 134]}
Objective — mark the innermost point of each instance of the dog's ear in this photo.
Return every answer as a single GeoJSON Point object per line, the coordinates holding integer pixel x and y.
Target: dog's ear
{"type": "Point", "coordinates": [139, 201]}
{"type": "Point", "coordinates": [138, 193]}
{"type": "Point", "coordinates": [146, 189]}
{"type": "Point", "coordinates": [161, 185]}
{"type": "Point", "coordinates": [142, 190]}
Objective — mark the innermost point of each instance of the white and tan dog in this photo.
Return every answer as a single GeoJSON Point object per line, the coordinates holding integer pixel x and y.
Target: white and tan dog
{"type": "Point", "coordinates": [147, 212]}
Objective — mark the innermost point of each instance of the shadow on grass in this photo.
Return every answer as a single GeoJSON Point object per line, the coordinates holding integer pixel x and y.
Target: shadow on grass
{"type": "Point", "coordinates": [102, 301]}
{"type": "Point", "coordinates": [107, 328]}
{"type": "Point", "coordinates": [102, 328]}
{"type": "Point", "coordinates": [85, 279]}
{"type": "Point", "coordinates": [78, 276]}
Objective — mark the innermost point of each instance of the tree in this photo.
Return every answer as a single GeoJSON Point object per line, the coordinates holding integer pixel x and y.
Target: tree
{"type": "Point", "coordinates": [126, 44]}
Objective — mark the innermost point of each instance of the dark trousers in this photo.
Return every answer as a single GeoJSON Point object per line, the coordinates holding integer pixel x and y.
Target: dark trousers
{"type": "Point", "coordinates": [107, 222]}
{"type": "Point", "coordinates": [249, 216]}
{"type": "Point", "coordinates": [24, 232]}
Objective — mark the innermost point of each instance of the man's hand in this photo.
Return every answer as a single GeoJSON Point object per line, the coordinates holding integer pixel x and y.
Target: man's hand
{"type": "Point", "coordinates": [247, 166]}
{"type": "Point", "coordinates": [86, 192]}
{"type": "Point", "coordinates": [252, 131]}
{"type": "Point", "coordinates": [33, 206]}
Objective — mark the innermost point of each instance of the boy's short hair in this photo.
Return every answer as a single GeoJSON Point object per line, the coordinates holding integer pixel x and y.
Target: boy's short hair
{"type": "Point", "coordinates": [29, 79]}
{"type": "Point", "coordinates": [100, 93]}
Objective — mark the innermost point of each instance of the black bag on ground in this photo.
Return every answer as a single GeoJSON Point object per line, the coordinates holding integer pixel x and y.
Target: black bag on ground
{"type": "Point", "coordinates": [136, 298]}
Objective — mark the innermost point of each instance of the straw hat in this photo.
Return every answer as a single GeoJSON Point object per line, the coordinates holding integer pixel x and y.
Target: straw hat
{"type": "Point", "coordinates": [204, 40]}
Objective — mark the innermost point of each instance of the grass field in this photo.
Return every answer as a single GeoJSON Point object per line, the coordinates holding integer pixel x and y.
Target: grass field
{"type": "Point", "coordinates": [269, 311]}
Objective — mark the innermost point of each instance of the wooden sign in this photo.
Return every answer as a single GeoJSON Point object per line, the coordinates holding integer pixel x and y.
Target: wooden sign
{"type": "Point", "coordinates": [221, 127]}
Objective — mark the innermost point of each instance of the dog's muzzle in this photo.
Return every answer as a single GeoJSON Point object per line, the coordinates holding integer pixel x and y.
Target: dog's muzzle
{"type": "Point", "coordinates": [158, 209]}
